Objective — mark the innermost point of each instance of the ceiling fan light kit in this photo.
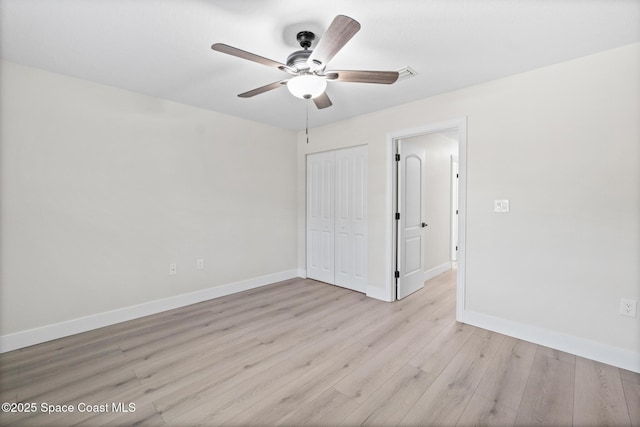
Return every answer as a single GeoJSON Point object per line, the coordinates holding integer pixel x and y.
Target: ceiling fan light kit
{"type": "Point", "coordinates": [307, 86]}
{"type": "Point", "coordinates": [307, 66]}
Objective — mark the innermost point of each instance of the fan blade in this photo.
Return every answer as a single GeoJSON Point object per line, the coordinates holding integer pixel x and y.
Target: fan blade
{"type": "Point", "coordinates": [363, 76]}
{"type": "Point", "coordinates": [337, 35]}
{"type": "Point", "coordinates": [234, 51]}
{"type": "Point", "coordinates": [322, 101]}
{"type": "Point", "coordinates": [263, 89]}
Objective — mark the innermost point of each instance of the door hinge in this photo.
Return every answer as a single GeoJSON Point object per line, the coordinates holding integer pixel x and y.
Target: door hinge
{"type": "Point", "coordinates": [456, 211]}
{"type": "Point", "coordinates": [397, 274]}
{"type": "Point", "coordinates": [397, 216]}
{"type": "Point", "coordinates": [397, 157]}
{"type": "Point", "coordinates": [456, 175]}
{"type": "Point", "coordinates": [456, 248]}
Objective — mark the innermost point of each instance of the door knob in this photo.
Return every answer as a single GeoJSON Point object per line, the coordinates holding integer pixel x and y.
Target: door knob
{"type": "Point", "coordinates": [424, 224]}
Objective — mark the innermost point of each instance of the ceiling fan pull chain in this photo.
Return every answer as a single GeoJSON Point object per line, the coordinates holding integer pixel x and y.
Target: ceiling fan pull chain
{"type": "Point", "coordinates": [307, 124]}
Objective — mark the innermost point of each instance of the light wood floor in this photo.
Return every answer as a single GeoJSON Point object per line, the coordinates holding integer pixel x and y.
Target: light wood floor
{"type": "Point", "coordinates": [302, 352]}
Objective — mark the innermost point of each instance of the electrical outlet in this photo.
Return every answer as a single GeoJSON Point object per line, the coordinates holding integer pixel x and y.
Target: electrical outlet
{"type": "Point", "coordinates": [200, 264]}
{"type": "Point", "coordinates": [628, 307]}
{"type": "Point", "coordinates": [173, 269]}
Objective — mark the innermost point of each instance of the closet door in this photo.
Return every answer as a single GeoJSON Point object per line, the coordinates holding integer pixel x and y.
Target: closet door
{"type": "Point", "coordinates": [320, 216]}
{"type": "Point", "coordinates": [351, 218]}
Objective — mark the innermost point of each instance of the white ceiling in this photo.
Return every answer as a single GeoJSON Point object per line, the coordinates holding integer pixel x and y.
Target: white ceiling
{"type": "Point", "coordinates": [162, 47]}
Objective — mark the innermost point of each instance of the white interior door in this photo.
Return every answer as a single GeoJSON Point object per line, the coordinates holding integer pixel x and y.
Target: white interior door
{"type": "Point", "coordinates": [320, 216]}
{"type": "Point", "coordinates": [411, 222]}
{"type": "Point", "coordinates": [351, 218]}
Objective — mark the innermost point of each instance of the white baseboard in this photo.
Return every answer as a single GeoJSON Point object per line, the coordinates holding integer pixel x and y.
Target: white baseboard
{"type": "Point", "coordinates": [70, 327]}
{"type": "Point", "coordinates": [302, 272]}
{"type": "Point", "coordinates": [619, 357]}
{"type": "Point", "coordinates": [430, 274]}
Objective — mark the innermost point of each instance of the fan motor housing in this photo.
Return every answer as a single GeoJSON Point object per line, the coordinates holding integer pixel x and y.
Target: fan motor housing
{"type": "Point", "coordinates": [298, 59]}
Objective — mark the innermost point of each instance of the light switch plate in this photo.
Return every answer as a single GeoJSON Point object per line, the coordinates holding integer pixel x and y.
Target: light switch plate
{"type": "Point", "coordinates": [501, 206]}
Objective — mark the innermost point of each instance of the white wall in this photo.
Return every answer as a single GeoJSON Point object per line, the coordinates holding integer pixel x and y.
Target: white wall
{"type": "Point", "coordinates": [563, 144]}
{"type": "Point", "coordinates": [102, 189]}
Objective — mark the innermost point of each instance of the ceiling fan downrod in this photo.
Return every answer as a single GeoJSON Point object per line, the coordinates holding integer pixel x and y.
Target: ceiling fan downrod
{"type": "Point", "coordinates": [305, 38]}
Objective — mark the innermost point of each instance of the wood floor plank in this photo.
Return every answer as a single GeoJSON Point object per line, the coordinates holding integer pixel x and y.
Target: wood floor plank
{"type": "Point", "coordinates": [438, 352]}
{"type": "Point", "coordinates": [548, 396]}
{"type": "Point", "coordinates": [165, 327]}
{"type": "Point", "coordinates": [149, 347]}
{"type": "Point", "coordinates": [50, 349]}
{"type": "Point", "coordinates": [275, 407]}
{"type": "Point", "coordinates": [317, 307]}
{"type": "Point", "coordinates": [317, 352]}
{"type": "Point", "coordinates": [63, 354]}
{"type": "Point", "coordinates": [632, 398]}
{"type": "Point", "coordinates": [506, 378]}
{"type": "Point", "coordinates": [70, 380]}
{"type": "Point", "coordinates": [481, 411]}
{"type": "Point", "coordinates": [556, 354]}
{"type": "Point", "coordinates": [206, 409]}
{"type": "Point", "coordinates": [204, 346]}
{"type": "Point", "coordinates": [365, 380]}
{"type": "Point", "coordinates": [219, 378]}
{"type": "Point", "coordinates": [387, 405]}
{"type": "Point", "coordinates": [630, 377]}
{"type": "Point", "coordinates": [169, 369]}
{"type": "Point", "coordinates": [363, 306]}
{"type": "Point", "coordinates": [52, 374]}
{"type": "Point", "coordinates": [599, 397]}
{"type": "Point", "coordinates": [446, 398]}
{"type": "Point", "coordinates": [328, 409]}
{"type": "Point", "coordinates": [400, 322]}
{"type": "Point", "coordinates": [221, 309]}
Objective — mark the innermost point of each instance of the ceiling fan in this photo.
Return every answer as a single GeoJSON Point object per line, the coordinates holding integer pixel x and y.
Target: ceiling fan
{"type": "Point", "coordinates": [307, 67]}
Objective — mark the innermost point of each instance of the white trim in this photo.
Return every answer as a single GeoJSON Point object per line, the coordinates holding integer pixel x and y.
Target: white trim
{"type": "Point", "coordinates": [379, 294]}
{"type": "Point", "coordinates": [460, 124]}
{"type": "Point", "coordinates": [390, 235]}
{"type": "Point", "coordinates": [302, 273]}
{"type": "Point", "coordinates": [83, 324]}
{"type": "Point", "coordinates": [461, 274]}
{"type": "Point", "coordinates": [615, 356]}
{"type": "Point", "coordinates": [430, 274]}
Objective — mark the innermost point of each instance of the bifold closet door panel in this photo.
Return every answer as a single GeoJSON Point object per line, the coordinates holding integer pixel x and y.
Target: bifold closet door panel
{"type": "Point", "coordinates": [351, 218]}
{"type": "Point", "coordinates": [321, 216]}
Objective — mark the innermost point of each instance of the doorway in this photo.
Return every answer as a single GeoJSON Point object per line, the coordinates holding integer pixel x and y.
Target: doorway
{"type": "Point", "coordinates": [407, 236]}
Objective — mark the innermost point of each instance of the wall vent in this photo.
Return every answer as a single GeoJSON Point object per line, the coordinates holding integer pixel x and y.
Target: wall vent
{"type": "Point", "coordinates": [406, 73]}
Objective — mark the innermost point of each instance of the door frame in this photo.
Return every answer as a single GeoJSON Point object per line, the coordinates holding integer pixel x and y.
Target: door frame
{"type": "Point", "coordinates": [460, 125]}
{"type": "Point", "coordinates": [454, 208]}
